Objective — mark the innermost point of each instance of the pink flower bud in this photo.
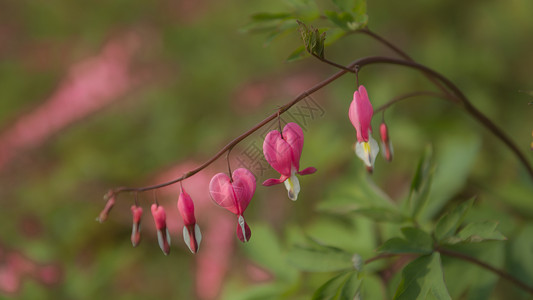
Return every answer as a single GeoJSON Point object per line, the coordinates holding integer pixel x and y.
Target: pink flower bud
{"type": "Point", "coordinates": [137, 212]}
{"type": "Point", "coordinates": [385, 142]}
{"type": "Point", "coordinates": [234, 196]}
{"type": "Point", "coordinates": [163, 237]}
{"type": "Point", "coordinates": [283, 151]}
{"type": "Point", "coordinates": [191, 231]}
{"type": "Point", "coordinates": [105, 212]}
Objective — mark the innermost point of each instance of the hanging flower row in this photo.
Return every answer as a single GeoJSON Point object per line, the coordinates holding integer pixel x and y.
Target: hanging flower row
{"type": "Point", "coordinates": [234, 191]}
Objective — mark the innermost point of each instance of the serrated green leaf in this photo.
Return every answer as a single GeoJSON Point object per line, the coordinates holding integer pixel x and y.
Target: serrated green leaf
{"type": "Point", "coordinates": [343, 286]}
{"type": "Point", "coordinates": [423, 279]}
{"type": "Point", "coordinates": [324, 259]}
{"type": "Point", "coordinates": [449, 223]}
{"type": "Point", "coordinates": [415, 241]}
{"type": "Point", "coordinates": [421, 183]}
{"type": "Point", "coordinates": [478, 232]}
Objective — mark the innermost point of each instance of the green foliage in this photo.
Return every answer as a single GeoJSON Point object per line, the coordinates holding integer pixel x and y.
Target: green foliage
{"type": "Point", "coordinates": [343, 286]}
{"type": "Point", "coordinates": [420, 185]}
{"type": "Point", "coordinates": [415, 240]}
{"type": "Point", "coordinates": [316, 257]}
{"type": "Point", "coordinates": [423, 279]}
{"type": "Point", "coordinates": [449, 223]}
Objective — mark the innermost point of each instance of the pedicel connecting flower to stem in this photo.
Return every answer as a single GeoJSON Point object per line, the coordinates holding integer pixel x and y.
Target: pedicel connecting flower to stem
{"type": "Point", "coordinates": [234, 194]}
{"type": "Point", "coordinates": [191, 231]}
{"type": "Point", "coordinates": [282, 151]}
{"type": "Point", "coordinates": [360, 113]}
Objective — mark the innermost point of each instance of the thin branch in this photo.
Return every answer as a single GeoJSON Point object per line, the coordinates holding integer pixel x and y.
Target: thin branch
{"type": "Point", "coordinates": [359, 63]}
{"type": "Point", "coordinates": [404, 55]}
{"type": "Point", "coordinates": [486, 266]}
{"type": "Point", "coordinates": [241, 137]}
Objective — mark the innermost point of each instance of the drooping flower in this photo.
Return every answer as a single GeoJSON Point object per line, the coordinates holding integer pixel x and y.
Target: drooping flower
{"type": "Point", "coordinates": [360, 113]}
{"type": "Point", "coordinates": [234, 195]}
{"type": "Point", "coordinates": [137, 212]}
{"type": "Point", "coordinates": [160, 219]}
{"type": "Point", "coordinates": [191, 231]}
{"type": "Point", "coordinates": [385, 142]}
{"type": "Point", "coordinates": [283, 151]}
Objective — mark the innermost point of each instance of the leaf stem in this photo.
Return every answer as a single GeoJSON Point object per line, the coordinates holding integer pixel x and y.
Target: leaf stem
{"type": "Point", "coordinates": [486, 266]}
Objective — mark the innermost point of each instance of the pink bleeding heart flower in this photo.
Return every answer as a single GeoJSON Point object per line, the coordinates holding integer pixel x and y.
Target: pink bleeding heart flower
{"type": "Point", "coordinates": [234, 195]}
{"type": "Point", "coordinates": [137, 212]}
{"type": "Point", "coordinates": [385, 142]}
{"type": "Point", "coordinates": [360, 113]}
{"type": "Point", "coordinates": [283, 151]}
{"type": "Point", "coordinates": [191, 231]}
{"type": "Point", "coordinates": [160, 219]}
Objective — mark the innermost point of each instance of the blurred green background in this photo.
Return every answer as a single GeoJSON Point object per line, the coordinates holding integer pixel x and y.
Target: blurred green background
{"type": "Point", "coordinates": [104, 94]}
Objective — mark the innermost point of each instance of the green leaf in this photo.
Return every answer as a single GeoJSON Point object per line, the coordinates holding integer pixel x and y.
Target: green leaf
{"type": "Point", "coordinates": [478, 232]}
{"type": "Point", "coordinates": [415, 241]}
{"type": "Point", "coordinates": [449, 223]}
{"type": "Point", "coordinates": [343, 286]}
{"type": "Point", "coordinates": [421, 183]}
{"type": "Point", "coordinates": [423, 279]}
{"type": "Point", "coordinates": [319, 258]}
{"type": "Point", "coordinates": [313, 39]}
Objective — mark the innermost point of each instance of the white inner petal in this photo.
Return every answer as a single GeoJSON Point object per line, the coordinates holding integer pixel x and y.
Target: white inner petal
{"type": "Point", "coordinates": [186, 237]}
{"type": "Point", "coordinates": [367, 151]}
{"type": "Point", "coordinates": [243, 228]}
{"type": "Point", "coordinates": [292, 184]}
{"type": "Point", "coordinates": [198, 235]}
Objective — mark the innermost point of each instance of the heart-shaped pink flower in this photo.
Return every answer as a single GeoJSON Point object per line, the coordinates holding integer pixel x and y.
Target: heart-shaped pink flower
{"type": "Point", "coordinates": [283, 151]}
{"type": "Point", "coordinates": [360, 113]}
{"type": "Point", "coordinates": [191, 231]}
{"type": "Point", "coordinates": [234, 196]}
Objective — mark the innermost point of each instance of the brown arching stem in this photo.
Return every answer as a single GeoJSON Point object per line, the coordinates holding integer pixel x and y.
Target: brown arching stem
{"type": "Point", "coordinates": [241, 137]}
{"type": "Point", "coordinates": [458, 94]}
{"type": "Point", "coordinates": [459, 255]}
{"type": "Point", "coordinates": [359, 63]}
{"type": "Point", "coordinates": [405, 56]}
{"type": "Point", "coordinates": [500, 273]}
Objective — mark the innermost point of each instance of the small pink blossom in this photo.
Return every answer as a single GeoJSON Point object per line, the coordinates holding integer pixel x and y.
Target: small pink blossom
{"type": "Point", "coordinates": [283, 151]}
{"type": "Point", "coordinates": [385, 142]}
{"type": "Point", "coordinates": [108, 206]}
{"type": "Point", "coordinates": [191, 231]}
{"type": "Point", "coordinates": [234, 195]}
{"type": "Point", "coordinates": [360, 113]}
{"type": "Point", "coordinates": [137, 212]}
{"type": "Point", "coordinates": [160, 219]}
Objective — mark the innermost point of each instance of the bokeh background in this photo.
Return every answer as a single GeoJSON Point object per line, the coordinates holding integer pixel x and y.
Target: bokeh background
{"type": "Point", "coordinates": [95, 95]}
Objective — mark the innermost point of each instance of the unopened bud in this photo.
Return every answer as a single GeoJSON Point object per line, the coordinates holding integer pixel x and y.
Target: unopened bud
{"type": "Point", "coordinates": [191, 231]}
{"type": "Point", "coordinates": [108, 206]}
{"type": "Point", "coordinates": [137, 212]}
{"type": "Point", "coordinates": [160, 219]}
{"type": "Point", "coordinates": [385, 142]}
